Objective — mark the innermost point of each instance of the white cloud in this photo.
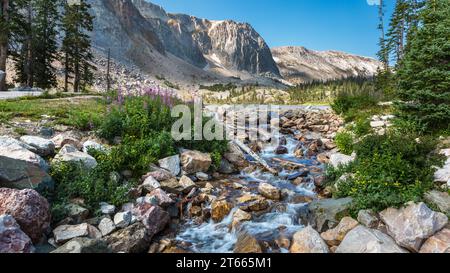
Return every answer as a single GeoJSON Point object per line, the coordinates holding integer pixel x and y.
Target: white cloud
{"type": "Point", "coordinates": [373, 2]}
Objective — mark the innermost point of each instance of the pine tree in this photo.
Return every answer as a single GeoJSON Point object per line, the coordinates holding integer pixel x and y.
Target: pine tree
{"type": "Point", "coordinates": [4, 38]}
{"type": "Point", "coordinates": [45, 42]}
{"type": "Point", "coordinates": [76, 46]}
{"type": "Point", "coordinates": [423, 75]}
{"type": "Point", "coordinates": [383, 53]}
{"type": "Point", "coordinates": [23, 32]}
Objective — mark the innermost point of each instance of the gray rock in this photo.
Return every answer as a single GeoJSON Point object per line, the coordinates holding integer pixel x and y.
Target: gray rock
{"type": "Point", "coordinates": [439, 199]}
{"type": "Point", "coordinates": [308, 240]}
{"type": "Point", "coordinates": [76, 212]}
{"type": "Point", "coordinates": [6, 141]}
{"type": "Point", "coordinates": [151, 184]}
{"type": "Point", "coordinates": [107, 209]}
{"type": "Point", "coordinates": [365, 240]}
{"type": "Point", "coordinates": [83, 245]}
{"type": "Point", "coordinates": [12, 238]}
{"type": "Point", "coordinates": [226, 167]}
{"type": "Point", "coordinates": [438, 243]}
{"type": "Point", "coordinates": [70, 154]}
{"type": "Point", "coordinates": [122, 219]}
{"type": "Point", "coordinates": [44, 147]}
{"type": "Point", "coordinates": [412, 225]}
{"type": "Point", "coordinates": [172, 164]}
{"type": "Point", "coordinates": [106, 226]}
{"type": "Point", "coordinates": [21, 168]}
{"type": "Point", "coordinates": [325, 214]}
{"type": "Point", "coordinates": [368, 218]}
{"type": "Point", "coordinates": [132, 239]}
{"type": "Point", "coordinates": [202, 176]}
{"type": "Point", "coordinates": [162, 198]}
{"type": "Point", "coordinates": [66, 233]}
{"type": "Point", "coordinates": [65, 138]}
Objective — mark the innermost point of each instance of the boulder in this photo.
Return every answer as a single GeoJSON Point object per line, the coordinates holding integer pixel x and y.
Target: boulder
{"type": "Point", "coordinates": [159, 175]}
{"type": "Point", "coordinates": [21, 168]}
{"type": "Point", "coordinates": [106, 226]}
{"type": "Point", "coordinates": [252, 202]}
{"type": "Point", "coordinates": [308, 240]}
{"type": "Point", "coordinates": [76, 212]}
{"type": "Point", "coordinates": [92, 145]}
{"type": "Point", "coordinates": [442, 175]}
{"type": "Point", "coordinates": [163, 199]}
{"type": "Point", "coordinates": [235, 156]}
{"type": "Point", "coordinates": [226, 167]}
{"type": "Point", "coordinates": [7, 141]}
{"type": "Point", "coordinates": [12, 238]}
{"type": "Point", "coordinates": [84, 245]}
{"type": "Point", "coordinates": [438, 243]}
{"type": "Point", "coordinates": [410, 226]}
{"type": "Point", "coordinates": [440, 200]}
{"type": "Point", "coordinates": [154, 218]}
{"type": "Point", "coordinates": [66, 233]}
{"type": "Point", "coordinates": [368, 218]}
{"type": "Point", "coordinates": [44, 147]}
{"type": "Point", "coordinates": [220, 209]}
{"type": "Point", "coordinates": [202, 176]}
{"type": "Point", "coordinates": [364, 240]}
{"type": "Point", "coordinates": [186, 184]}
{"type": "Point", "coordinates": [173, 186]}
{"type": "Point", "coordinates": [65, 138]}
{"type": "Point", "coordinates": [122, 219]}
{"type": "Point", "coordinates": [280, 150]}
{"type": "Point", "coordinates": [333, 237]}
{"type": "Point", "coordinates": [269, 191]}
{"type": "Point", "coordinates": [247, 243]}
{"type": "Point", "coordinates": [151, 184]}
{"type": "Point", "coordinates": [194, 161]}
{"type": "Point", "coordinates": [107, 209]}
{"type": "Point", "coordinates": [240, 216]}
{"type": "Point", "coordinates": [339, 159]}
{"type": "Point", "coordinates": [70, 154]}
{"type": "Point", "coordinates": [326, 214]}
{"type": "Point", "coordinates": [171, 163]}
{"type": "Point", "coordinates": [29, 209]}
{"type": "Point", "coordinates": [132, 239]}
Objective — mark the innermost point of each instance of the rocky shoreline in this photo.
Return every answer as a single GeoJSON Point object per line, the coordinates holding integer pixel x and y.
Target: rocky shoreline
{"type": "Point", "coordinates": [180, 207]}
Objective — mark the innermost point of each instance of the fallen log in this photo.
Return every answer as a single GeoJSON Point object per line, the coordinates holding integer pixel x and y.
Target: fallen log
{"type": "Point", "coordinates": [260, 160]}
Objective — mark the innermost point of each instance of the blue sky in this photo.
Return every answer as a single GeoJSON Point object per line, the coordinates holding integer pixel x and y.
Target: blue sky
{"type": "Point", "coordinates": [345, 25]}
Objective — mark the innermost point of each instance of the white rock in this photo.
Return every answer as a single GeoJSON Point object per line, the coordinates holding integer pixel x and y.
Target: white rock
{"type": "Point", "coordinates": [377, 124]}
{"type": "Point", "coordinates": [202, 176]}
{"type": "Point", "coordinates": [65, 233]}
{"type": "Point", "coordinates": [339, 159]}
{"type": "Point", "coordinates": [106, 226]}
{"type": "Point", "coordinates": [6, 141]}
{"type": "Point", "coordinates": [412, 225]}
{"type": "Point", "coordinates": [88, 145]}
{"type": "Point", "coordinates": [122, 219]}
{"type": "Point", "coordinates": [365, 240]}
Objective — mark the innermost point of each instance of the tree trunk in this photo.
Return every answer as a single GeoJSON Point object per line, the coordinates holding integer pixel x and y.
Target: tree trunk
{"type": "Point", "coordinates": [76, 80]}
{"type": "Point", "coordinates": [29, 52]}
{"type": "Point", "coordinates": [4, 42]}
{"type": "Point", "coordinates": [385, 57]}
{"type": "Point", "coordinates": [66, 72]}
{"type": "Point", "coordinates": [108, 83]}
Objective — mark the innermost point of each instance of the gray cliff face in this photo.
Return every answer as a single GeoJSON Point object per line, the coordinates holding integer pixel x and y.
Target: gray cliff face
{"type": "Point", "coordinates": [126, 24]}
{"type": "Point", "coordinates": [299, 65]}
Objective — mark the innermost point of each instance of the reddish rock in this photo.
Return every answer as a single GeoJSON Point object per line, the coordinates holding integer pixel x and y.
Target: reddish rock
{"type": "Point", "coordinates": [154, 218]}
{"type": "Point", "coordinates": [12, 238]}
{"type": "Point", "coordinates": [31, 211]}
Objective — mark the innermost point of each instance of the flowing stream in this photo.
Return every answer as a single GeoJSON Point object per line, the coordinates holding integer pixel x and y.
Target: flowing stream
{"type": "Point", "coordinates": [280, 221]}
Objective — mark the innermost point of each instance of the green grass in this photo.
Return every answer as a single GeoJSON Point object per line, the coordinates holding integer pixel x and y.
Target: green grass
{"type": "Point", "coordinates": [81, 113]}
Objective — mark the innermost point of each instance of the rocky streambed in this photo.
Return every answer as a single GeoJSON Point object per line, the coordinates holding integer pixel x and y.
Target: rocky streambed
{"type": "Point", "coordinates": [180, 206]}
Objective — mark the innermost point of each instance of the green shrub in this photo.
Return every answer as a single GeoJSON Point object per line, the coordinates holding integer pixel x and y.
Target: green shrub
{"type": "Point", "coordinates": [362, 127]}
{"type": "Point", "coordinates": [344, 141]}
{"type": "Point", "coordinates": [389, 171]}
